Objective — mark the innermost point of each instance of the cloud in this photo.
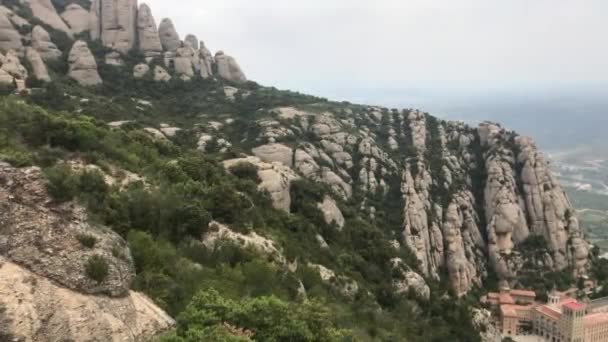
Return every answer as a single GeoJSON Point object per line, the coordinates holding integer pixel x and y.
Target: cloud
{"type": "Point", "coordinates": [319, 45]}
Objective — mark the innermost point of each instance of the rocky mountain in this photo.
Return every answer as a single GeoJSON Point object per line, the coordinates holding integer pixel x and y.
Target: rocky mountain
{"type": "Point", "coordinates": [381, 212]}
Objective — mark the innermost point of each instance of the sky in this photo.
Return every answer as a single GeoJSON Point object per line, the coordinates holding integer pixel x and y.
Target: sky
{"type": "Point", "coordinates": [395, 52]}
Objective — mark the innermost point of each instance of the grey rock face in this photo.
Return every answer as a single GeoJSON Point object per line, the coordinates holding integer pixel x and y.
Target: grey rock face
{"type": "Point", "coordinates": [149, 40]}
{"type": "Point", "coordinates": [83, 67]}
{"type": "Point", "coordinates": [168, 35]}
{"type": "Point", "coordinates": [10, 39]}
{"type": "Point", "coordinates": [140, 70]}
{"type": "Point", "coordinates": [45, 12]}
{"type": "Point", "coordinates": [76, 17]}
{"type": "Point", "coordinates": [331, 212]}
{"type": "Point", "coordinates": [192, 40]}
{"type": "Point", "coordinates": [41, 41]}
{"type": "Point", "coordinates": [95, 20]}
{"type": "Point", "coordinates": [13, 67]}
{"type": "Point", "coordinates": [275, 153]}
{"type": "Point", "coordinates": [118, 24]}
{"type": "Point", "coordinates": [228, 68]}
{"type": "Point", "coordinates": [161, 75]}
{"type": "Point", "coordinates": [45, 238]}
{"type": "Point", "coordinates": [206, 61]}
{"type": "Point", "coordinates": [38, 67]}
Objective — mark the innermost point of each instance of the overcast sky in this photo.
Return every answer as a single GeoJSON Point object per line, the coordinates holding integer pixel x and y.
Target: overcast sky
{"type": "Point", "coordinates": [366, 50]}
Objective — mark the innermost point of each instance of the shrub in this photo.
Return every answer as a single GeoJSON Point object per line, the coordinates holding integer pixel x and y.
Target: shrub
{"type": "Point", "coordinates": [97, 268]}
{"type": "Point", "coordinates": [245, 170]}
{"type": "Point", "coordinates": [62, 185]}
{"type": "Point", "coordinates": [86, 240]}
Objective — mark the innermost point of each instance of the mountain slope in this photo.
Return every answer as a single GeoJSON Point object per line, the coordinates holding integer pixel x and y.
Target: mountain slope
{"type": "Point", "coordinates": [239, 202]}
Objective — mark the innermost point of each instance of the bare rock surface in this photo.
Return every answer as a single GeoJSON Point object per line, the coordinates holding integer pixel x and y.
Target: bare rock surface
{"type": "Point", "coordinates": [83, 67]}
{"type": "Point", "coordinates": [76, 17]}
{"type": "Point", "coordinates": [169, 37]}
{"type": "Point", "coordinates": [46, 12]}
{"type": "Point", "coordinates": [10, 39]}
{"type": "Point", "coordinates": [38, 67]}
{"type": "Point", "coordinates": [148, 37]}
{"type": "Point", "coordinates": [41, 41]}
{"type": "Point", "coordinates": [228, 68]}
{"type": "Point", "coordinates": [118, 21]}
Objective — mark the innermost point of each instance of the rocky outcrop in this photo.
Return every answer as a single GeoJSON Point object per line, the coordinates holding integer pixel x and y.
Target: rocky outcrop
{"type": "Point", "coordinates": [168, 35]}
{"type": "Point", "coordinates": [192, 40]}
{"type": "Point", "coordinates": [331, 212]}
{"type": "Point", "coordinates": [10, 39]}
{"type": "Point", "coordinates": [483, 322]}
{"type": "Point", "coordinates": [38, 67]}
{"type": "Point", "coordinates": [95, 20]}
{"type": "Point", "coordinates": [408, 280]}
{"type": "Point", "coordinates": [228, 68]}
{"type": "Point", "coordinates": [37, 309]}
{"type": "Point", "coordinates": [140, 70]}
{"type": "Point", "coordinates": [41, 41]}
{"type": "Point", "coordinates": [274, 153]}
{"type": "Point", "coordinates": [44, 11]}
{"type": "Point", "coordinates": [161, 75]}
{"type": "Point", "coordinates": [47, 238]}
{"type": "Point", "coordinates": [147, 32]}
{"type": "Point", "coordinates": [206, 61]}
{"type": "Point", "coordinates": [76, 17]}
{"type": "Point", "coordinates": [12, 66]}
{"type": "Point", "coordinates": [83, 68]}
{"type": "Point", "coordinates": [118, 24]}
{"type": "Point", "coordinates": [275, 178]}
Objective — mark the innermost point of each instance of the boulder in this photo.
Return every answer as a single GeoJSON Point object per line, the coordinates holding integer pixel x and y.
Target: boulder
{"type": "Point", "coordinates": [41, 41]}
{"type": "Point", "coordinates": [118, 24]}
{"type": "Point", "coordinates": [38, 67]}
{"type": "Point", "coordinates": [206, 61]}
{"type": "Point", "coordinates": [168, 35]}
{"type": "Point", "coordinates": [76, 17]}
{"type": "Point", "coordinates": [44, 11]}
{"type": "Point", "coordinates": [10, 39]}
{"type": "Point", "coordinates": [161, 75]}
{"type": "Point", "coordinates": [192, 40]}
{"type": "Point", "coordinates": [149, 39]}
{"type": "Point", "coordinates": [83, 68]}
{"type": "Point", "coordinates": [331, 212]}
{"type": "Point", "coordinates": [141, 70]}
{"type": "Point", "coordinates": [228, 68]}
{"type": "Point", "coordinates": [185, 62]}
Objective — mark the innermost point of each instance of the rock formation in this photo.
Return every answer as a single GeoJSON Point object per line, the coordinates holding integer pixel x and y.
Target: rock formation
{"type": "Point", "coordinates": [45, 292]}
{"type": "Point", "coordinates": [41, 41]}
{"type": "Point", "coordinates": [12, 66]}
{"type": "Point", "coordinates": [161, 75]}
{"type": "Point", "coordinates": [192, 40]}
{"type": "Point", "coordinates": [76, 17]}
{"type": "Point", "coordinates": [38, 67]}
{"type": "Point", "coordinates": [228, 68]}
{"type": "Point", "coordinates": [10, 39]}
{"type": "Point", "coordinates": [168, 35]}
{"type": "Point", "coordinates": [147, 32]}
{"type": "Point", "coordinates": [83, 68]}
{"type": "Point", "coordinates": [45, 12]}
{"type": "Point", "coordinates": [140, 70]}
{"type": "Point", "coordinates": [95, 20]}
{"type": "Point", "coordinates": [331, 212]}
{"type": "Point", "coordinates": [118, 24]}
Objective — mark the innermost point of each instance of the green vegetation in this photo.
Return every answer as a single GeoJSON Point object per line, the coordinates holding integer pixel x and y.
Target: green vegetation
{"type": "Point", "coordinates": [86, 240]}
{"type": "Point", "coordinates": [97, 268]}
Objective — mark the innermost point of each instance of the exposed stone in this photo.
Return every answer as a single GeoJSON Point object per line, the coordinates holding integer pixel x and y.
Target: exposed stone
{"type": "Point", "coordinates": [275, 179]}
{"type": "Point", "coordinates": [118, 24]}
{"type": "Point", "coordinates": [483, 322]}
{"type": "Point", "coordinates": [44, 11]}
{"type": "Point", "coordinates": [83, 68]}
{"type": "Point", "coordinates": [12, 66]}
{"type": "Point", "coordinates": [38, 67]}
{"type": "Point", "coordinates": [192, 41]}
{"type": "Point", "coordinates": [331, 212]}
{"type": "Point", "coordinates": [274, 153]}
{"type": "Point", "coordinates": [149, 39]}
{"type": "Point", "coordinates": [37, 309]}
{"type": "Point", "coordinates": [409, 280]}
{"type": "Point", "coordinates": [228, 68]}
{"type": "Point", "coordinates": [41, 41]}
{"type": "Point", "coordinates": [186, 62]}
{"type": "Point", "coordinates": [44, 237]}
{"type": "Point", "coordinates": [168, 35]}
{"type": "Point", "coordinates": [76, 17]}
{"type": "Point", "coordinates": [10, 39]}
{"type": "Point", "coordinates": [141, 70]}
{"type": "Point", "coordinates": [114, 58]}
{"type": "Point", "coordinates": [95, 20]}
{"type": "Point", "coordinates": [161, 75]}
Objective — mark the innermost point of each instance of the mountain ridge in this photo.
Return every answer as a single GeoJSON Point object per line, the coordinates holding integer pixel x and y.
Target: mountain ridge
{"type": "Point", "coordinates": [353, 203]}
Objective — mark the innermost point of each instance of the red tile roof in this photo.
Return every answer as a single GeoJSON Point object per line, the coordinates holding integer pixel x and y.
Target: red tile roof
{"type": "Point", "coordinates": [574, 306]}
{"type": "Point", "coordinates": [506, 298]}
{"type": "Point", "coordinates": [549, 311]}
